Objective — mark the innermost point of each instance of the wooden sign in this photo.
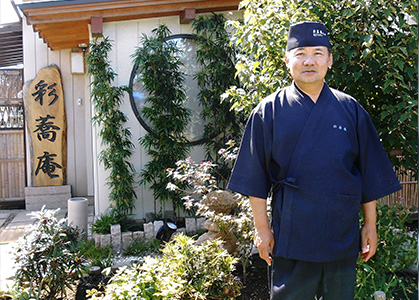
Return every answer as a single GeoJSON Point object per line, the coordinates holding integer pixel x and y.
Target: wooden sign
{"type": "Point", "coordinates": [47, 128]}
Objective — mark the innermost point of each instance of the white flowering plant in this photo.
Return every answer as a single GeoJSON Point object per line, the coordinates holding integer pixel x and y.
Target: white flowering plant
{"type": "Point", "coordinates": [202, 178]}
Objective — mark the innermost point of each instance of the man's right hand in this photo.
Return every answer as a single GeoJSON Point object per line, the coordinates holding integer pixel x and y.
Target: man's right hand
{"type": "Point", "coordinates": [264, 241]}
{"type": "Point", "coordinates": [264, 238]}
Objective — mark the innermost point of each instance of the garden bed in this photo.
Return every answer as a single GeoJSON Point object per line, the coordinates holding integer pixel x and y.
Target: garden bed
{"type": "Point", "coordinates": [256, 287]}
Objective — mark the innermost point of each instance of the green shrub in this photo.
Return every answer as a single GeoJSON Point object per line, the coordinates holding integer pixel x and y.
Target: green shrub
{"type": "Point", "coordinates": [110, 217]}
{"type": "Point", "coordinates": [388, 270]}
{"type": "Point", "coordinates": [103, 224]}
{"type": "Point", "coordinates": [201, 180]}
{"type": "Point", "coordinates": [184, 271]}
{"type": "Point", "coordinates": [96, 256]}
{"type": "Point", "coordinates": [46, 258]}
{"type": "Point", "coordinates": [114, 135]}
{"type": "Point", "coordinates": [142, 248]}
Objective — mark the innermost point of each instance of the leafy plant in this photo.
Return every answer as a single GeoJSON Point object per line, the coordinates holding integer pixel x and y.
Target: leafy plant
{"type": "Point", "coordinates": [201, 182]}
{"type": "Point", "coordinates": [159, 64]}
{"type": "Point", "coordinates": [110, 119]}
{"type": "Point", "coordinates": [375, 59]}
{"type": "Point", "coordinates": [142, 248]}
{"type": "Point", "coordinates": [388, 270]}
{"type": "Point", "coordinates": [96, 256]}
{"type": "Point", "coordinates": [47, 259]}
{"type": "Point", "coordinates": [217, 58]}
{"type": "Point", "coordinates": [102, 225]}
{"type": "Point", "coordinates": [184, 271]}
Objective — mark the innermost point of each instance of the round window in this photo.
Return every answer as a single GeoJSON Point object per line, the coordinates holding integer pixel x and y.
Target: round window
{"type": "Point", "coordinates": [195, 128]}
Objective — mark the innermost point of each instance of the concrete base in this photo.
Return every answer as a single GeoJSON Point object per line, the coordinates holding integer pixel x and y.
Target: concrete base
{"type": "Point", "coordinates": [52, 197]}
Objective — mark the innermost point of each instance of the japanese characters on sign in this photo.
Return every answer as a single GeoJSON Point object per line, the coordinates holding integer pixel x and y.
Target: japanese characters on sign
{"type": "Point", "coordinates": [47, 127]}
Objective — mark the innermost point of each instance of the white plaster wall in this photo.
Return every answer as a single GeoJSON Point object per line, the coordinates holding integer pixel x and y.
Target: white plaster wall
{"type": "Point", "coordinates": [126, 36]}
{"type": "Point", "coordinates": [79, 147]}
{"type": "Point", "coordinates": [85, 173]}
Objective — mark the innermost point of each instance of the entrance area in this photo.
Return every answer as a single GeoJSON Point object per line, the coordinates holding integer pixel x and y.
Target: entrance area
{"type": "Point", "coordinates": [12, 146]}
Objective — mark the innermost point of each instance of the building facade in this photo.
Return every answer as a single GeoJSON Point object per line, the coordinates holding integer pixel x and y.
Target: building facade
{"type": "Point", "coordinates": [56, 32]}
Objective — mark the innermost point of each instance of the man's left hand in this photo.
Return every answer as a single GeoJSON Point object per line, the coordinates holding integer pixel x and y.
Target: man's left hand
{"type": "Point", "coordinates": [369, 241]}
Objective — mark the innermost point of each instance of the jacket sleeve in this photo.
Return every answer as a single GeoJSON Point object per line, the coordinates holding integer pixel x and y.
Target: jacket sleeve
{"type": "Point", "coordinates": [250, 175]}
{"type": "Point", "coordinates": [378, 176]}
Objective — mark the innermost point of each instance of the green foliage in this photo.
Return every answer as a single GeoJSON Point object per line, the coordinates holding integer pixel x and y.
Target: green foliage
{"type": "Point", "coordinates": [200, 181]}
{"type": "Point", "coordinates": [388, 270]}
{"type": "Point", "coordinates": [375, 59]}
{"type": "Point", "coordinates": [96, 256]}
{"type": "Point", "coordinates": [217, 57]}
{"type": "Point", "coordinates": [47, 260]}
{"type": "Point", "coordinates": [184, 271]}
{"type": "Point", "coordinates": [142, 248]}
{"type": "Point", "coordinates": [159, 64]}
{"type": "Point", "coordinates": [116, 138]}
{"type": "Point", "coordinates": [261, 38]}
{"type": "Point", "coordinates": [102, 225]}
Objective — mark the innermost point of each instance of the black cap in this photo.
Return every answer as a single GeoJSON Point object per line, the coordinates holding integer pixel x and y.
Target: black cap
{"type": "Point", "coordinates": [307, 34]}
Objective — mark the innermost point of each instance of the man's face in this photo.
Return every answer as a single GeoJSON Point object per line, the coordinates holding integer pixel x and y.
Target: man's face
{"type": "Point", "coordinates": [308, 65]}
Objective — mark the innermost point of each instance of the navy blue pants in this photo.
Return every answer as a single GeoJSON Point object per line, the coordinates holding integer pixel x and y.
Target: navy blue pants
{"type": "Point", "coordinates": [301, 280]}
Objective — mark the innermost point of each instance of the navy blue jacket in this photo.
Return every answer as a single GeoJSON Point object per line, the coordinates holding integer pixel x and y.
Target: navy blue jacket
{"type": "Point", "coordinates": [321, 161]}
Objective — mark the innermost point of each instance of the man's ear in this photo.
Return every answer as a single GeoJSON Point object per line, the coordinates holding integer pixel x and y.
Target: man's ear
{"type": "Point", "coordinates": [286, 59]}
{"type": "Point", "coordinates": [330, 60]}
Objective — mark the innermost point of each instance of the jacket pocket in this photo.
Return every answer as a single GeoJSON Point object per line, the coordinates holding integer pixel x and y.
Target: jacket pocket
{"type": "Point", "coordinates": [342, 217]}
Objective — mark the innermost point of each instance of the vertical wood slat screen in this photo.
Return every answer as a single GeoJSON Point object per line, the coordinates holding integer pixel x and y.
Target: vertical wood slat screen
{"type": "Point", "coordinates": [408, 195]}
{"type": "Point", "coordinates": [12, 165]}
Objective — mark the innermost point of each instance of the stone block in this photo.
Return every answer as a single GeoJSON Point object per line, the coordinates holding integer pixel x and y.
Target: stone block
{"type": "Point", "coordinates": [200, 224]}
{"type": "Point", "coordinates": [190, 225]}
{"type": "Point", "coordinates": [96, 238]}
{"type": "Point", "coordinates": [148, 231]}
{"type": "Point", "coordinates": [116, 238]}
{"type": "Point", "coordinates": [105, 240]}
{"type": "Point", "coordinates": [115, 229]}
{"type": "Point", "coordinates": [157, 225]}
{"type": "Point", "coordinates": [138, 235]}
{"type": "Point", "coordinates": [126, 240]}
{"type": "Point", "coordinates": [52, 197]}
{"type": "Point", "coordinates": [89, 231]}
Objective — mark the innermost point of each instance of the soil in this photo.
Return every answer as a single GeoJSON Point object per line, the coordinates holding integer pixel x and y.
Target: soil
{"type": "Point", "coordinates": [256, 285]}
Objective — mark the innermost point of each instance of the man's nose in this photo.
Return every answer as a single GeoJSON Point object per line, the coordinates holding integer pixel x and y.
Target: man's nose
{"type": "Point", "coordinates": [309, 60]}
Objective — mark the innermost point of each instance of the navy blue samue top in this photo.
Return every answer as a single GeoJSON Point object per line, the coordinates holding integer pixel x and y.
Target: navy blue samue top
{"type": "Point", "coordinates": [321, 161]}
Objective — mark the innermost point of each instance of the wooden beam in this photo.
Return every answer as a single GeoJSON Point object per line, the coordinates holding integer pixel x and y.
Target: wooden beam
{"type": "Point", "coordinates": [187, 15]}
{"type": "Point", "coordinates": [61, 25]}
{"type": "Point", "coordinates": [65, 26]}
{"type": "Point", "coordinates": [67, 45]}
{"type": "Point", "coordinates": [67, 37]}
{"type": "Point", "coordinates": [121, 9]}
{"type": "Point", "coordinates": [96, 26]}
{"type": "Point", "coordinates": [64, 31]}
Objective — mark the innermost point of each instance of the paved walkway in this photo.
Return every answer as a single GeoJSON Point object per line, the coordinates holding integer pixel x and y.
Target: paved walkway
{"type": "Point", "coordinates": [13, 225]}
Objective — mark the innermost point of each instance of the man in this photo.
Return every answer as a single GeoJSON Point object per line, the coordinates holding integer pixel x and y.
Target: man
{"type": "Point", "coordinates": [315, 150]}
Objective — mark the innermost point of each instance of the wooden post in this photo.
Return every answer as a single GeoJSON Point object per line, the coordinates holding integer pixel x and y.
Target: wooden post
{"type": "Point", "coordinates": [379, 295]}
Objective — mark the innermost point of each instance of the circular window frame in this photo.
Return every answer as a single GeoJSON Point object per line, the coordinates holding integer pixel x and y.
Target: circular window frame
{"type": "Point", "coordinates": [134, 107]}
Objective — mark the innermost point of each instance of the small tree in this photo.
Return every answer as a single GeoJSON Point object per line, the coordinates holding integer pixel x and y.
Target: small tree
{"type": "Point", "coordinates": [115, 137]}
{"type": "Point", "coordinates": [198, 177]}
{"type": "Point", "coordinates": [47, 258]}
{"type": "Point", "coordinates": [217, 58]}
{"type": "Point", "coordinates": [375, 59]}
{"type": "Point", "coordinates": [159, 65]}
